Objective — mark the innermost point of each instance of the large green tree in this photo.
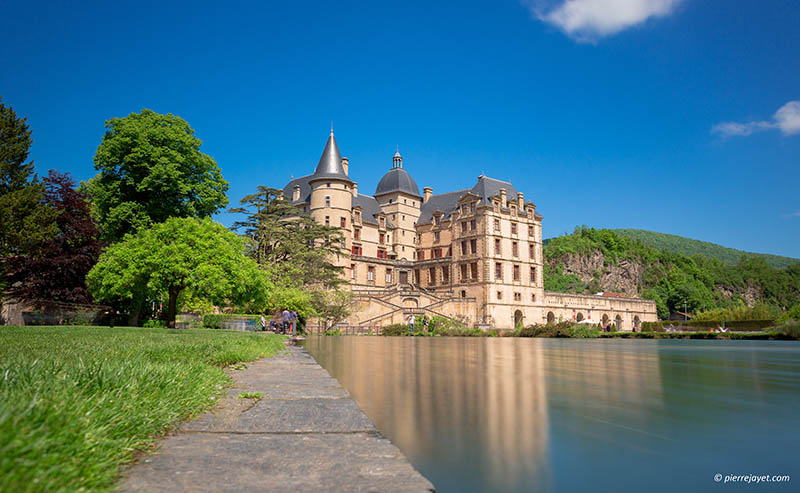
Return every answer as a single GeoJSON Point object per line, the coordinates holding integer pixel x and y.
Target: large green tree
{"type": "Point", "coordinates": [295, 249]}
{"type": "Point", "coordinates": [26, 221]}
{"type": "Point", "coordinates": [150, 169]}
{"type": "Point", "coordinates": [198, 256]}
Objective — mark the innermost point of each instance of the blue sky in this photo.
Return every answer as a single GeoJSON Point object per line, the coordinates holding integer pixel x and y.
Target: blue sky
{"type": "Point", "coordinates": [667, 115]}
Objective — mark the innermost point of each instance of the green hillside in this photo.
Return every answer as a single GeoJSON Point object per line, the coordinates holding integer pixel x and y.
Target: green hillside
{"type": "Point", "coordinates": [676, 281]}
{"type": "Point", "coordinates": [688, 246]}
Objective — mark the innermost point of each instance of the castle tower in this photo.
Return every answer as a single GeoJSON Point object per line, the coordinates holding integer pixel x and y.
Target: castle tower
{"type": "Point", "coordinates": [399, 198]}
{"type": "Point", "coordinates": [332, 194]}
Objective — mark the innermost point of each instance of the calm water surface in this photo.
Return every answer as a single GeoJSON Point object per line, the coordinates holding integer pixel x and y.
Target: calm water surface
{"type": "Point", "coordinates": [503, 414]}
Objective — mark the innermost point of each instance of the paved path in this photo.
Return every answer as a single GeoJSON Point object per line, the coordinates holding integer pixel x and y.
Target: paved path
{"type": "Point", "coordinates": [306, 434]}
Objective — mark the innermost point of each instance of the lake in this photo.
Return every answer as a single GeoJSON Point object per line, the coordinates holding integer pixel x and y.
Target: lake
{"type": "Point", "coordinates": [514, 414]}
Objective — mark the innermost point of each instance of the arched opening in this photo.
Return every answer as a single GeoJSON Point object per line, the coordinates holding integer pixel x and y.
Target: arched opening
{"type": "Point", "coordinates": [517, 318]}
{"type": "Point", "coordinates": [636, 323]}
{"type": "Point", "coordinates": [551, 318]}
{"type": "Point", "coordinates": [410, 303]}
{"type": "Point", "coordinates": [605, 320]}
{"type": "Point", "coordinates": [579, 317]}
{"type": "Point", "coordinates": [618, 322]}
{"type": "Point", "coordinates": [463, 293]}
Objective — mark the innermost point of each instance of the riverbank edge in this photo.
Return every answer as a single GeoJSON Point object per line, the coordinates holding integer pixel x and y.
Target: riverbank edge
{"type": "Point", "coordinates": [302, 431]}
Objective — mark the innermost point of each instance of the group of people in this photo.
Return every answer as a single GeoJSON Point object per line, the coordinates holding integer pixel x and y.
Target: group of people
{"type": "Point", "coordinates": [412, 319]}
{"type": "Point", "coordinates": [286, 324]}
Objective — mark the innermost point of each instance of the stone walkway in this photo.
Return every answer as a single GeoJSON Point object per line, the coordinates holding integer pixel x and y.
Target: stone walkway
{"type": "Point", "coordinates": [306, 434]}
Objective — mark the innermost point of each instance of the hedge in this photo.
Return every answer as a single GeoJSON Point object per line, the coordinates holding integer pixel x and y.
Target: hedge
{"type": "Point", "coordinates": [740, 325]}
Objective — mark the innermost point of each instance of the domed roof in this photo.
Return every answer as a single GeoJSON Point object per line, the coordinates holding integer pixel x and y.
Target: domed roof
{"type": "Point", "coordinates": [397, 180]}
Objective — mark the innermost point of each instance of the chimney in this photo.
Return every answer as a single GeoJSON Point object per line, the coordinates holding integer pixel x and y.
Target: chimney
{"type": "Point", "coordinates": [345, 163]}
{"type": "Point", "coordinates": [503, 198]}
{"type": "Point", "coordinates": [427, 192]}
{"type": "Point", "coordinates": [521, 201]}
{"type": "Point", "coordinates": [355, 189]}
{"type": "Point", "coordinates": [296, 193]}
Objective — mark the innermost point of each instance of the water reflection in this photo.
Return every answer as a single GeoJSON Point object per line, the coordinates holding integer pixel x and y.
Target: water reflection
{"type": "Point", "coordinates": [502, 414]}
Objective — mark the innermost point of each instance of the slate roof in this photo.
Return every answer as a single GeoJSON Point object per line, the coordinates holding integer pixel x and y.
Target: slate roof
{"type": "Point", "coordinates": [305, 189]}
{"type": "Point", "coordinates": [330, 163]}
{"type": "Point", "coordinates": [485, 189]}
{"type": "Point", "coordinates": [397, 180]}
{"type": "Point", "coordinates": [370, 210]}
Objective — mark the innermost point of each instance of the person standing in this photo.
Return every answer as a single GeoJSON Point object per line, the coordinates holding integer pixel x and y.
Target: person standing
{"type": "Point", "coordinates": [287, 320]}
{"type": "Point", "coordinates": [263, 323]}
{"type": "Point", "coordinates": [411, 322]}
{"type": "Point", "coordinates": [294, 322]}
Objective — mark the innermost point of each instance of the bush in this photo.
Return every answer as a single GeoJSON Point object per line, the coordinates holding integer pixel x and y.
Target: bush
{"type": "Point", "coordinates": [560, 329]}
{"type": "Point", "coordinates": [155, 324]}
{"type": "Point", "coordinates": [333, 332]}
{"type": "Point", "coordinates": [395, 330]}
{"type": "Point", "coordinates": [792, 314]}
{"type": "Point", "coordinates": [790, 329]}
{"type": "Point", "coordinates": [212, 321]}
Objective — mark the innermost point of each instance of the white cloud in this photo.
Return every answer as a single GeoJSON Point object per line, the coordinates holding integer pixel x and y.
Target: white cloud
{"type": "Point", "coordinates": [786, 119]}
{"type": "Point", "coordinates": [592, 19]}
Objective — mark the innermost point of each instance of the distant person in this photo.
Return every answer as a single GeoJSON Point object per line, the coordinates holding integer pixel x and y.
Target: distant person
{"type": "Point", "coordinates": [294, 322]}
{"type": "Point", "coordinates": [287, 320]}
{"type": "Point", "coordinates": [411, 322]}
{"type": "Point", "coordinates": [263, 323]}
{"type": "Point", "coordinates": [425, 323]}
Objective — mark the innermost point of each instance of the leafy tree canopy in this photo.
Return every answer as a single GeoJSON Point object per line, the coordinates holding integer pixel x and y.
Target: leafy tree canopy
{"type": "Point", "coordinates": [56, 270]}
{"type": "Point", "coordinates": [294, 248]}
{"type": "Point", "coordinates": [15, 143]}
{"type": "Point", "coordinates": [150, 169]}
{"type": "Point", "coordinates": [196, 255]}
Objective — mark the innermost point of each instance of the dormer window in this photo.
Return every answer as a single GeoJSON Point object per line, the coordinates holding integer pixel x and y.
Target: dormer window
{"type": "Point", "coordinates": [437, 219]}
{"type": "Point", "coordinates": [383, 222]}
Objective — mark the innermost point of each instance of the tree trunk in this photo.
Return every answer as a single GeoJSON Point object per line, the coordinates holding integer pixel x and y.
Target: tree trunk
{"type": "Point", "coordinates": [172, 307]}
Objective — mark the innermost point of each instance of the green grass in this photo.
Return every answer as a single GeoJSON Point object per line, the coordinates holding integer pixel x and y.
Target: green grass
{"type": "Point", "coordinates": [251, 395]}
{"type": "Point", "coordinates": [78, 402]}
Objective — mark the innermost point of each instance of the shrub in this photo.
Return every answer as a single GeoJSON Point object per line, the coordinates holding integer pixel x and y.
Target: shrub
{"type": "Point", "coordinates": [790, 329]}
{"type": "Point", "coordinates": [333, 332]}
{"type": "Point", "coordinates": [212, 321]}
{"type": "Point", "coordinates": [155, 324]}
{"type": "Point", "coordinates": [792, 314]}
{"type": "Point", "coordinates": [395, 330]}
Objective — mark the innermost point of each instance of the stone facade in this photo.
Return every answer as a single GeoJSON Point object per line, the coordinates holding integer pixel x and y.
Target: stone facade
{"type": "Point", "coordinates": [474, 255]}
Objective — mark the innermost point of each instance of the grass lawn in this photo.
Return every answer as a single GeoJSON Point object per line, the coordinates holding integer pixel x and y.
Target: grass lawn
{"type": "Point", "coordinates": [78, 402]}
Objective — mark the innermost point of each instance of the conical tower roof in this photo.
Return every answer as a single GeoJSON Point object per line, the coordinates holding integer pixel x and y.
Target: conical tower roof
{"type": "Point", "coordinates": [330, 164]}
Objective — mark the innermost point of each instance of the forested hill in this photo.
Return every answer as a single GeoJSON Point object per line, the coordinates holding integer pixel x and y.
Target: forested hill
{"type": "Point", "coordinates": [687, 246]}
{"type": "Point", "coordinates": [591, 260]}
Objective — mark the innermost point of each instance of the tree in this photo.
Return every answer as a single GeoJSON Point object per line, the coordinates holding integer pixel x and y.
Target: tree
{"type": "Point", "coordinates": [25, 220]}
{"type": "Point", "coordinates": [294, 248]}
{"type": "Point", "coordinates": [196, 255]}
{"type": "Point", "coordinates": [150, 169]}
{"type": "Point", "coordinates": [56, 269]}
{"type": "Point", "coordinates": [332, 307]}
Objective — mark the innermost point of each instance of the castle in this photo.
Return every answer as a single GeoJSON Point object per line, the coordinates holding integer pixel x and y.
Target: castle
{"type": "Point", "coordinates": [474, 255]}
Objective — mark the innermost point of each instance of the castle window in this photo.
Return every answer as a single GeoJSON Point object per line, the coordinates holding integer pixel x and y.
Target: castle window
{"type": "Point", "coordinates": [513, 228]}
{"type": "Point", "coordinates": [383, 222]}
{"type": "Point", "coordinates": [343, 243]}
{"type": "Point", "coordinates": [517, 296]}
{"type": "Point", "coordinates": [516, 273]}
{"type": "Point", "coordinates": [533, 296]}
{"type": "Point", "coordinates": [436, 237]}
{"type": "Point", "coordinates": [437, 219]}
{"type": "Point", "coordinates": [499, 295]}
{"type": "Point", "coordinates": [390, 201]}
{"type": "Point", "coordinates": [464, 247]}
{"type": "Point", "coordinates": [352, 271]}
{"type": "Point", "coordinates": [531, 230]}
{"type": "Point", "coordinates": [532, 251]}
{"type": "Point", "coordinates": [370, 274]}
{"type": "Point", "coordinates": [464, 227]}
{"type": "Point", "coordinates": [343, 222]}
{"type": "Point", "coordinates": [327, 220]}
{"type": "Point", "coordinates": [327, 201]}
{"type": "Point", "coordinates": [497, 207]}
{"type": "Point", "coordinates": [356, 233]}
{"type": "Point", "coordinates": [388, 276]}
{"type": "Point", "coordinates": [515, 249]}
{"type": "Point", "coordinates": [497, 225]}
{"type": "Point", "coordinates": [420, 254]}
{"type": "Point", "coordinates": [404, 201]}
{"type": "Point", "coordinates": [530, 216]}
{"type": "Point", "coordinates": [450, 251]}
{"type": "Point", "coordinates": [445, 275]}
{"type": "Point", "coordinates": [356, 250]}
{"type": "Point", "coordinates": [473, 245]}
{"type": "Point", "coordinates": [432, 276]}
{"type": "Point", "coordinates": [381, 253]}
{"type": "Point", "coordinates": [497, 247]}
{"type": "Point", "coordinates": [472, 207]}
{"type": "Point", "coordinates": [498, 271]}
{"type": "Point", "coordinates": [329, 185]}
{"type": "Point", "coordinates": [381, 238]}
{"type": "Point", "coordinates": [416, 277]}
{"type": "Point", "coordinates": [533, 275]}
{"type": "Point", "coordinates": [474, 268]}
{"type": "Point", "coordinates": [473, 225]}
{"type": "Point", "coordinates": [463, 272]}
{"type": "Point", "coordinates": [358, 216]}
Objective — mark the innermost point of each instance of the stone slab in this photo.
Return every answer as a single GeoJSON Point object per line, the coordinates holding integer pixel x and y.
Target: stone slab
{"type": "Point", "coordinates": [290, 415]}
{"type": "Point", "coordinates": [305, 434]}
{"type": "Point", "coordinates": [318, 462]}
